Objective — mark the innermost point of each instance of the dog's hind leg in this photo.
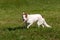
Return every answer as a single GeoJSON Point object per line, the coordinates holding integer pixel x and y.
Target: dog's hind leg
{"type": "Point", "coordinates": [43, 25]}
{"type": "Point", "coordinates": [39, 23]}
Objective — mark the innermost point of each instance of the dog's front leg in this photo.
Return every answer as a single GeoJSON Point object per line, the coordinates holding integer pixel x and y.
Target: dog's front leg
{"type": "Point", "coordinates": [29, 25]}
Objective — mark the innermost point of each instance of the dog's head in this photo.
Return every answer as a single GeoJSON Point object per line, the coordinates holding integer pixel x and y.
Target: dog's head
{"type": "Point", "coordinates": [24, 16]}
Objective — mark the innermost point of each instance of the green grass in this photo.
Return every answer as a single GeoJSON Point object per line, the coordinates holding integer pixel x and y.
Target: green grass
{"type": "Point", "coordinates": [11, 27]}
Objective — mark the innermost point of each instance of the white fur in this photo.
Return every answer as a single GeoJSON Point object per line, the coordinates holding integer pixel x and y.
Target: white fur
{"type": "Point", "coordinates": [35, 18]}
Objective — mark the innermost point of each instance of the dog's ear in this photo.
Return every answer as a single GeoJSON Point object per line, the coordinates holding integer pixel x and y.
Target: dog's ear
{"type": "Point", "coordinates": [23, 13]}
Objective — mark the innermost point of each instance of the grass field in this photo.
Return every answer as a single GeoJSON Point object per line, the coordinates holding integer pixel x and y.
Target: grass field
{"type": "Point", "coordinates": [11, 27]}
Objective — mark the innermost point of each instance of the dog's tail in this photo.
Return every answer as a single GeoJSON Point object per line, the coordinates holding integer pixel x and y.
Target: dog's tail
{"type": "Point", "coordinates": [44, 22]}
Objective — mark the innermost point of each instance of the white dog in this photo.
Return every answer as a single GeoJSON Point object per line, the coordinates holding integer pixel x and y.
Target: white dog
{"type": "Point", "coordinates": [34, 18]}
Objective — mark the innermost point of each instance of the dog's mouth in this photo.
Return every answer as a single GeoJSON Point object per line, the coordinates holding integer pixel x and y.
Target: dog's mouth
{"type": "Point", "coordinates": [23, 19]}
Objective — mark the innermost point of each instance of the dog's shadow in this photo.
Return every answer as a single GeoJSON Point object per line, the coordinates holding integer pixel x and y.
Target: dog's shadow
{"type": "Point", "coordinates": [16, 28]}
